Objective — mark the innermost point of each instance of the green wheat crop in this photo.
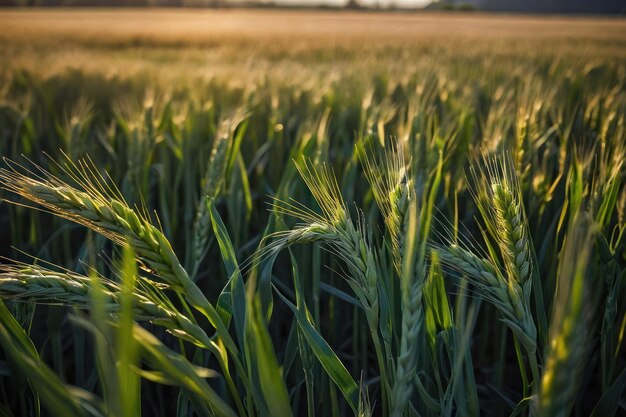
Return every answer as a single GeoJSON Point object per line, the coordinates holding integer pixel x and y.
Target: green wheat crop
{"type": "Point", "coordinates": [369, 222]}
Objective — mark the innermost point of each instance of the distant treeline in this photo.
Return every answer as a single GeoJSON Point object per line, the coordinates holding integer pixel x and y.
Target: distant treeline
{"type": "Point", "coordinates": [114, 3]}
{"type": "Point", "coordinates": [524, 6]}
{"type": "Point", "coordinates": [538, 6]}
{"type": "Point", "coordinates": [128, 3]}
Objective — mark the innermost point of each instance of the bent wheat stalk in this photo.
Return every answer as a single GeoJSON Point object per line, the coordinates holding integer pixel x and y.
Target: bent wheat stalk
{"type": "Point", "coordinates": [31, 283]}
{"type": "Point", "coordinates": [39, 285]}
{"type": "Point", "coordinates": [498, 197]}
{"type": "Point", "coordinates": [350, 242]}
{"type": "Point", "coordinates": [100, 207]}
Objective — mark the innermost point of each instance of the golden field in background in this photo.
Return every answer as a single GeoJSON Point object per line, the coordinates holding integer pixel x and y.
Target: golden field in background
{"type": "Point", "coordinates": [239, 43]}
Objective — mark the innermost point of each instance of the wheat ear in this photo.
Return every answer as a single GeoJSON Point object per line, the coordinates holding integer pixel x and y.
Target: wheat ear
{"type": "Point", "coordinates": [392, 186]}
{"type": "Point", "coordinates": [101, 208]}
{"type": "Point", "coordinates": [571, 325]}
{"type": "Point", "coordinates": [347, 239]}
{"type": "Point", "coordinates": [39, 285]}
{"type": "Point", "coordinates": [42, 286]}
{"type": "Point", "coordinates": [213, 178]}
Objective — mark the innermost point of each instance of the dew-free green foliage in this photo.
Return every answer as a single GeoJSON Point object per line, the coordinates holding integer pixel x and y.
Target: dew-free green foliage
{"type": "Point", "coordinates": [377, 226]}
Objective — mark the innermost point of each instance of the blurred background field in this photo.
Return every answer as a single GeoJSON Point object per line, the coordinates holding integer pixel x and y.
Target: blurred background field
{"type": "Point", "coordinates": [247, 45]}
{"type": "Point", "coordinates": [147, 94]}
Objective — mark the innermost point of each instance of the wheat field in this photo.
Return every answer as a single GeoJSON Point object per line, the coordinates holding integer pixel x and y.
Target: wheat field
{"type": "Point", "coordinates": [311, 213]}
